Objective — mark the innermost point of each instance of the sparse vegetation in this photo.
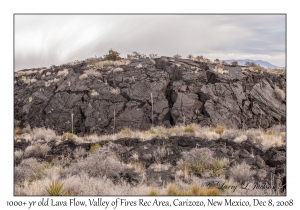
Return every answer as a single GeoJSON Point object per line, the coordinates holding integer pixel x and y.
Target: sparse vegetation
{"type": "Point", "coordinates": [220, 129]}
{"type": "Point", "coordinates": [241, 172]}
{"type": "Point", "coordinates": [67, 136]}
{"type": "Point", "coordinates": [57, 189]}
{"type": "Point", "coordinates": [94, 147]}
{"type": "Point", "coordinates": [112, 56]}
{"type": "Point", "coordinates": [234, 63]}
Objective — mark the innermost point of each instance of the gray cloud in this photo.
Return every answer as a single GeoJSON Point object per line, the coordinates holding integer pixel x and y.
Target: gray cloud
{"type": "Point", "coordinates": [43, 40]}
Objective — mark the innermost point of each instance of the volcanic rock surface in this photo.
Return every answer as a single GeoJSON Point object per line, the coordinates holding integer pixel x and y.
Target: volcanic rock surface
{"type": "Point", "coordinates": [183, 91]}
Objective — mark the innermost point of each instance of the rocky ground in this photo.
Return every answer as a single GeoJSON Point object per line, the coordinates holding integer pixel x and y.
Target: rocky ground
{"type": "Point", "coordinates": [233, 162]}
{"type": "Point", "coordinates": [158, 126]}
{"type": "Point", "coordinates": [105, 97]}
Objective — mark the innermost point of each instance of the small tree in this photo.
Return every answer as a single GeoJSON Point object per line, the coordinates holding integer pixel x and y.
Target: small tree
{"type": "Point", "coordinates": [217, 60]}
{"type": "Point", "coordinates": [177, 56]}
{"type": "Point", "coordinates": [234, 63]}
{"type": "Point", "coordinates": [250, 64]}
{"type": "Point", "coordinates": [112, 56]}
{"type": "Point", "coordinates": [199, 58]}
{"type": "Point", "coordinates": [190, 56]}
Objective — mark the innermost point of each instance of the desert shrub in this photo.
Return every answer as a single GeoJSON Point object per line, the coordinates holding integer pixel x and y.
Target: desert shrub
{"type": "Point", "coordinates": [67, 136]}
{"type": "Point", "coordinates": [153, 192]}
{"type": "Point", "coordinates": [241, 172]}
{"type": "Point", "coordinates": [217, 60]}
{"type": "Point", "coordinates": [199, 58]}
{"type": "Point", "coordinates": [37, 150]}
{"type": "Point", "coordinates": [190, 128]}
{"type": "Point", "coordinates": [18, 132]}
{"type": "Point", "coordinates": [190, 56]}
{"type": "Point", "coordinates": [18, 154]}
{"type": "Point", "coordinates": [112, 55]}
{"type": "Point", "coordinates": [280, 94]}
{"type": "Point", "coordinates": [201, 160]}
{"type": "Point", "coordinates": [177, 56]}
{"type": "Point", "coordinates": [219, 68]}
{"type": "Point", "coordinates": [43, 133]}
{"type": "Point", "coordinates": [220, 129]}
{"type": "Point", "coordinates": [258, 68]}
{"type": "Point", "coordinates": [250, 64]}
{"type": "Point", "coordinates": [57, 189]}
{"type": "Point", "coordinates": [102, 162]}
{"type": "Point", "coordinates": [79, 152]}
{"type": "Point", "coordinates": [159, 154]}
{"type": "Point", "coordinates": [94, 147]}
{"type": "Point", "coordinates": [93, 72]}
{"type": "Point", "coordinates": [30, 169]}
{"type": "Point", "coordinates": [234, 63]}
{"type": "Point", "coordinates": [261, 174]}
{"type": "Point", "coordinates": [118, 70]}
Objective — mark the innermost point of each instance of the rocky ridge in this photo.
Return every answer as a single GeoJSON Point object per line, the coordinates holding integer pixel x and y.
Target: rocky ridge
{"type": "Point", "coordinates": [105, 100]}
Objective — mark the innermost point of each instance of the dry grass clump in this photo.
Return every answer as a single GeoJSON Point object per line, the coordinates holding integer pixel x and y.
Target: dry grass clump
{"type": "Point", "coordinates": [94, 73]}
{"type": "Point", "coordinates": [201, 160]}
{"type": "Point", "coordinates": [101, 162]}
{"type": "Point", "coordinates": [115, 90]}
{"type": "Point", "coordinates": [79, 152]}
{"type": "Point", "coordinates": [194, 190]}
{"type": "Point", "coordinates": [67, 136]}
{"type": "Point", "coordinates": [125, 132]}
{"type": "Point", "coordinates": [43, 133]}
{"type": "Point", "coordinates": [220, 129]}
{"type": "Point", "coordinates": [94, 147]}
{"type": "Point", "coordinates": [118, 70]}
{"type": "Point", "coordinates": [241, 172]}
{"type": "Point", "coordinates": [19, 132]}
{"type": "Point", "coordinates": [63, 72]}
{"type": "Point", "coordinates": [159, 154]}
{"type": "Point", "coordinates": [94, 93]}
{"type": "Point", "coordinates": [240, 138]}
{"type": "Point", "coordinates": [270, 132]}
{"type": "Point", "coordinates": [18, 154]}
{"type": "Point", "coordinates": [280, 94]}
{"type": "Point", "coordinates": [37, 150]}
{"type": "Point", "coordinates": [107, 63]}
{"type": "Point", "coordinates": [83, 76]}
{"type": "Point", "coordinates": [220, 69]}
{"type": "Point", "coordinates": [190, 128]}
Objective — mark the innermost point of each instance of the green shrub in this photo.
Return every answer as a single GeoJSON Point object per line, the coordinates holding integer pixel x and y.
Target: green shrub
{"type": "Point", "coordinates": [57, 189]}
{"type": "Point", "coordinates": [112, 56]}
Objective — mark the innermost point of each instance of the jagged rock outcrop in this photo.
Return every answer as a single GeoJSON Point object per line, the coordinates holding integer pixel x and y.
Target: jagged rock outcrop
{"type": "Point", "coordinates": [183, 91]}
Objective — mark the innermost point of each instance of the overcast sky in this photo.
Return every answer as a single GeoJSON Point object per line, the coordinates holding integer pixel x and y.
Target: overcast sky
{"type": "Point", "coordinates": [43, 40]}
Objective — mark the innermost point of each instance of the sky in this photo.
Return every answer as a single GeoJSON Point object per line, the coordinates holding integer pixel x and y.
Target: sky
{"type": "Point", "coordinates": [44, 40]}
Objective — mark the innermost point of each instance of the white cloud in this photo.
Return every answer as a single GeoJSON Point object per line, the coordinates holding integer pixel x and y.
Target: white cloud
{"type": "Point", "coordinates": [43, 40]}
